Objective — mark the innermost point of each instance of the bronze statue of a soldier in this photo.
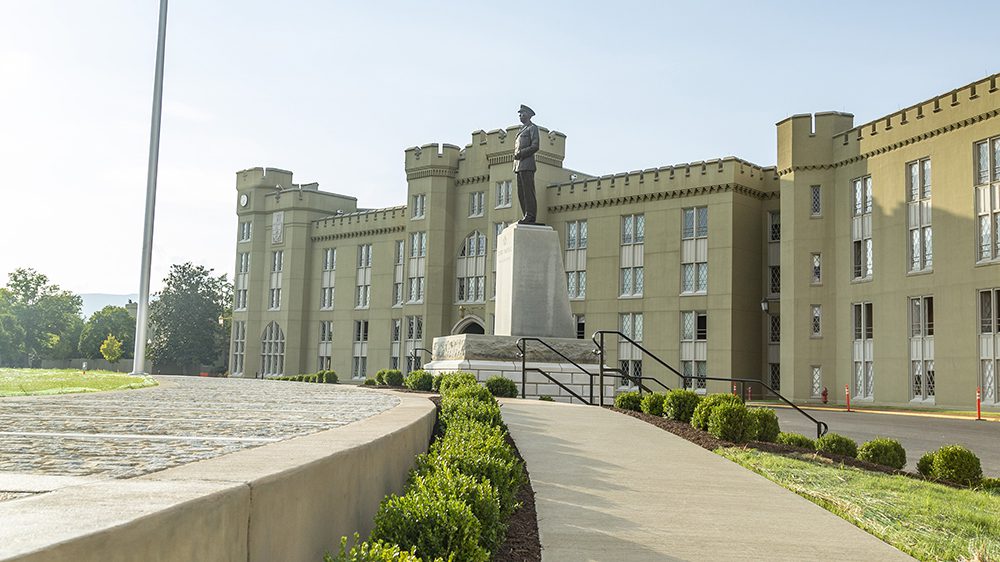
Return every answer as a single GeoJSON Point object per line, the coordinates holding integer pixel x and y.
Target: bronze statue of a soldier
{"type": "Point", "coordinates": [525, 147]}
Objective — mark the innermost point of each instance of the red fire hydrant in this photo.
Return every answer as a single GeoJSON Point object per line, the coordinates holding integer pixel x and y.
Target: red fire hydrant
{"type": "Point", "coordinates": [824, 394]}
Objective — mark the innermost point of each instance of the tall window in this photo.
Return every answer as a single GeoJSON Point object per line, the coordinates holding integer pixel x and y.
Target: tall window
{"type": "Point", "coordinates": [774, 376]}
{"type": "Point", "coordinates": [414, 339]}
{"type": "Point", "coordinates": [817, 269]}
{"type": "Point", "coordinates": [327, 278]}
{"type": "Point", "coordinates": [477, 201]}
{"type": "Point", "coordinates": [418, 206]}
{"type": "Point", "coordinates": [773, 280]}
{"type": "Point", "coordinates": [576, 259]}
{"type": "Point", "coordinates": [629, 356]}
{"type": "Point", "coordinates": [989, 344]}
{"type": "Point", "coordinates": [774, 328]}
{"type": "Point", "coordinates": [274, 294]}
{"type": "Point", "coordinates": [922, 348]}
{"type": "Point", "coordinates": [240, 284]}
{"type": "Point", "coordinates": [363, 290]}
{"type": "Point", "coordinates": [397, 274]}
{"type": "Point", "coordinates": [631, 272]}
{"type": "Point", "coordinates": [694, 348]}
{"type": "Point", "coordinates": [359, 350]}
{"type": "Point", "coordinates": [816, 201]}
{"type": "Point", "coordinates": [503, 198]}
{"type": "Point", "coordinates": [471, 269]}
{"type": "Point", "coordinates": [417, 267]}
{"type": "Point", "coordinates": [816, 320]}
{"type": "Point", "coordinates": [918, 196]}
{"type": "Point", "coordinates": [817, 380]}
{"type": "Point", "coordinates": [861, 228]}
{"type": "Point", "coordinates": [694, 250]}
{"type": "Point", "coordinates": [580, 321]}
{"type": "Point", "coordinates": [239, 346]}
{"type": "Point", "coordinates": [394, 342]}
{"type": "Point", "coordinates": [987, 180]}
{"type": "Point", "coordinates": [863, 350]}
{"type": "Point", "coordinates": [272, 350]}
{"type": "Point", "coordinates": [325, 351]}
{"type": "Point", "coordinates": [774, 226]}
{"type": "Point", "coordinates": [245, 230]}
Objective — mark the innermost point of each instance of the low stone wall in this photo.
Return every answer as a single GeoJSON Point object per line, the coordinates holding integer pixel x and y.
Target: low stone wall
{"type": "Point", "coordinates": [289, 501]}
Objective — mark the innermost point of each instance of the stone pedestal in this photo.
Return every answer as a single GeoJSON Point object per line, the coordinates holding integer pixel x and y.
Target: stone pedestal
{"type": "Point", "coordinates": [531, 284]}
{"type": "Point", "coordinates": [488, 356]}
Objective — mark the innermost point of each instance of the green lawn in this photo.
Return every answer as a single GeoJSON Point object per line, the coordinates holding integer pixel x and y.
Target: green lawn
{"type": "Point", "coordinates": [926, 520]}
{"type": "Point", "coordinates": [26, 382]}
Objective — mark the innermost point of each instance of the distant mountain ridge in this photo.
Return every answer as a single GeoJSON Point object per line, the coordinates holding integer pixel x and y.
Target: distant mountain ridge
{"type": "Point", "coordinates": [92, 302]}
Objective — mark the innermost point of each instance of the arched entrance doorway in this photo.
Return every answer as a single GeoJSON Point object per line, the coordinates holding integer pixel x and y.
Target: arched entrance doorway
{"type": "Point", "coordinates": [469, 325]}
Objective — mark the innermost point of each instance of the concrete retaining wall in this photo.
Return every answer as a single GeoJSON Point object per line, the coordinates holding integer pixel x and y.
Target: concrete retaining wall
{"type": "Point", "coordinates": [289, 501]}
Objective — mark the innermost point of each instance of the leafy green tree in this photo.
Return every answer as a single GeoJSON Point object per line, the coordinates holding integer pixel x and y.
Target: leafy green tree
{"type": "Point", "coordinates": [114, 320]}
{"type": "Point", "coordinates": [65, 346]}
{"type": "Point", "coordinates": [43, 311]}
{"type": "Point", "coordinates": [11, 338]}
{"type": "Point", "coordinates": [185, 321]}
{"type": "Point", "coordinates": [111, 349]}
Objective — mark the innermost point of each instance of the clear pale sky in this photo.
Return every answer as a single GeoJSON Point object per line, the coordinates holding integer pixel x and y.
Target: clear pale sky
{"type": "Point", "coordinates": [335, 91]}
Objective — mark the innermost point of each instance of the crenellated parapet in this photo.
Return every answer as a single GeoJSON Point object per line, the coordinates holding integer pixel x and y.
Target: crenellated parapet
{"type": "Point", "coordinates": [272, 178]}
{"type": "Point", "coordinates": [367, 222]}
{"type": "Point", "coordinates": [432, 159]}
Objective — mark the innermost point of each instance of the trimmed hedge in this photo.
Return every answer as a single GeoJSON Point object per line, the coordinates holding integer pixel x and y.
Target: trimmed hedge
{"type": "Point", "coordinates": [629, 401]}
{"type": "Point", "coordinates": [729, 422]}
{"type": "Point", "coordinates": [380, 377]}
{"type": "Point", "coordinates": [680, 404]}
{"type": "Point", "coordinates": [957, 464]}
{"type": "Point", "coordinates": [389, 377]}
{"type": "Point", "coordinates": [796, 440]}
{"type": "Point", "coordinates": [702, 413]}
{"type": "Point", "coordinates": [546, 398]}
{"type": "Point", "coordinates": [652, 403]}
{"type": "Point", "coordinates": [369, 382]}
{"type": "Point", "coordinates": [925, 466]}
{"type": "Point", "coordinates": [480, 496]}
{"type": "Point", "coordinates": [432, 525]}
{"type": "Point", "coordinates": [456, 379]}
{"type": "Point", "coordinates": [501, 387]}
{"type": "Point", "coordinates": [837, 444]}
{"type": "Point", "coordinates": [419, 380]}
{"type": "Point", "coordinates": [373, 552]}
{"type": "Point", "coordinates": [763, 425]}
{"type": "Point", "coordinates": [884, 451]}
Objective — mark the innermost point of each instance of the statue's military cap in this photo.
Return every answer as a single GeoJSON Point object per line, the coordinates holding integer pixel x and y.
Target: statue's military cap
{"type": "Point", "coordinates": [526, 109]}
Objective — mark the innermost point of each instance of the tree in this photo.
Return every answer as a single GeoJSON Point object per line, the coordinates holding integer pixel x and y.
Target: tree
{"type": "Point", "coordinates": [185, 319]}
{"type": "Point", "coordinates": [42, 310]}
{"type": "Point", "coordinates": [111, 349]}
{"type": "Point", "coordinates": [65, 346]}
{"type": "Point", "coordinates": [114, 320]}
{"type": "Point", "coordinates": [11, 338]}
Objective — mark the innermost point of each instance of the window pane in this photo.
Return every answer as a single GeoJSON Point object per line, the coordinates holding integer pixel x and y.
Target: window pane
{"type": "Point", "coordinates": [857, 198]}
{"type": "Point", "coordinates": [687, 277]}
{"type": "Point", "coordinates": [702, 328]}
{"type": "Point", "coordinates": [571, 235]}
{"type": "Point", "coordinates": [637, 327]}
{"type": "Point", "coordinates": [640, 228]}
{"type": "Point", "coordinates": [571, 283]}
{"type": "Point", "coordinates": [996, 159]}
{"type": "Point", "coordinates": [627, 281]}
{"type": "Point", "coordinates": [687, 326]}
{"type": "Point", "coordinates": [929, 316]}
{"type": "Point", "coordinates": [583, 284]}
{"type": "Point", "coordinates": [914, 181]}
{"type": "Point", "coordinates": [868, 194]}
{"type": "Point", "coordinates": [986, 312]}
{"type": "Point", "coordinates": [985, 237]}
{"type": "Point", "coordinates": [702, 222]}
{"type": "Point", "coordinates": [927, 178]}
{"type": "Point", "coordinates": [627, 230]}
{"type": "Point", "coordinates": [928, 247]}
{"type": "Point", "coordinates": [687, 230]}
{"type": "Point", "coordinates": [916, 318]}
{"type": "Point", "coordinates": [982, 163]}
{"type": "Point", "coordinates": [702, 276]}
{"type": "Point", "coordinates": [638, 280]}
{"type": "Point", "coordinates": [582, 241]}
{"type": "Point", "coordinates": [914, 249]}
{"type": "Point", "coordinates": [869, 321]}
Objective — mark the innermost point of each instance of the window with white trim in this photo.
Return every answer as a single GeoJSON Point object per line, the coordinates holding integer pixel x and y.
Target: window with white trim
{"type": "Point", "coordinates": [817, 380]}
{"type": "Point", "coordinates": [417, 267]}
{"type": "Point", "coordinates": [694, 348]}
{"type": "Point", "coordinates": [397, 275]}
{"type": "Point", "coordinates": [576, 259]}
{"type": "Point", "coordinates": [246, 228]}
{"type": "Point", "coordinates": [363, 283]}
{"type": "Point", "coordinates": [503, 198]}
{"type": "Point", "coordinates": [817, 269]}
{"type": "Point", "coordinates": [327, 279]}
{"type": "Point", "coordinates": [774, 376]}
{"type": "Point", "coordinates": [774, 328]}
{"type": "Point", "coordinates": [987, 178]}
{"type": "Point", "coordinates": [239, 346]}
{"type": "Point", "coordinates": [241, 281]}
{"type": "Point", "coordinates": [359, 350]}
{"type": "Point", "coordinates": [989, 345]}
{"type": "Point", "coordinates": [918, 216]}
{"type": "Point", "coordinates": [471, 269]}
{"type": "Point", "coordinates": [631, 277]}
{"type": "Point", "coordinates": [477, 203]}
{"type": "Point", "coordinates": [816, 320]}
{"type": "Point", "coordinates": [861, 228]}
{"type": "Point", "coordinates": [774, 226]}
{"type": "Point", "coordinates": [694, 250]}
{"type": "Point", "coordinates": [414, 340]}
{"type": "Point", "coordinates": [773, 280]}
{"type": "Point", "coordinates": [418, 206]}
{"type": "Point", "coordinates": [325, 348]}
{"type": "Point", "coordinates": [863, 351]}
{"type": "Point", "coordinates": [629, 356]}
{"type": "Point", "coordinates": [395, 335]}
{"type": "Point", "coordinates": [816, 201]}
{"type": "Point", "coordinates": [922, 348]}
{"type": "Point", "coordinates": [272, 350]}
{"type": "Point", "coordinates": [274, 294]}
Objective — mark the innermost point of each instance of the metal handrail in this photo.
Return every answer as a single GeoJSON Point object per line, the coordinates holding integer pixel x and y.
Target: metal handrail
{"type": "Point", "coordinates": [821, 427]}
{"type": "Point", "coordinates": [639, 378]}
{"type": "Point", "coordinates": [414, 354]}
{"type": "Point", "coordinates": [522, 352]}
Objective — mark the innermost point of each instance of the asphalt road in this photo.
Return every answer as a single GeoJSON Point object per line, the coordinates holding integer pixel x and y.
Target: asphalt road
{"type": "Point", "coordinates": [917, 434]}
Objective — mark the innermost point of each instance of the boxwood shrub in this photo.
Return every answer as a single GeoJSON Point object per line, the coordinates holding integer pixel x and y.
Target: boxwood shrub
{"type": "Point", "coordinates": [796, 440]}
{"type": "Point", "coordinates": [763, 425]}
{"type": "Point", "coordinates": [680, 404]}
{"type": "Point", "coordinates": [652, 403]}
{"type": "Point", "coordinates": [546, 398]}
{"type": "Point", "coordinates": [925, 466]}
{"type": "Point", "coordinates": [380, 377]}
{"type": "Point", "coordinates": [729, 421]}
{"type": "Point", "coordinates": [487, 413]}
{"type": "Point", "coordinates": [456, 379]}
{"type": "Point", "coordinates": [328, 376]}
{"type": "Point", "coordinates": [629, 401]}
{"type": "Point", "coordinates": [884, 451]}
{"type": "Point", "coordinates": [837, 444]}
{"type": "Point", "coordinates": [433, 525]}
{"type": "Point", "coordinates": [702, 413]}
{"type": "Point", "coordinates": [480, 496]}
{"type": "Point", "coordinates": [392, 377]}
{"type": "Point", "coordinates": [372, 552]}
{"type": "Point", "coordinates": [418, 380]}
{"type": "Point", "coordinates": [502, 387]}
{"type": "Point", "coordinates": [436, 383]}
{"type": "Point", "coordinates": [957, 464]}
{"type": "Point", "coordinates": [369, 382]}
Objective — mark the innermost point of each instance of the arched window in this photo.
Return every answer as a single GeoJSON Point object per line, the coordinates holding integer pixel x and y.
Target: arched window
{"type": "Point", "coordinates": [272, 350]}
{"type": "Point", "coordinates": [471, 269]}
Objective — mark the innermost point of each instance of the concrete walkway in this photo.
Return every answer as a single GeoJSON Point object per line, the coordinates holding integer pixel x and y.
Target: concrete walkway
{"type": "Point", "coordinates": [611, 487]}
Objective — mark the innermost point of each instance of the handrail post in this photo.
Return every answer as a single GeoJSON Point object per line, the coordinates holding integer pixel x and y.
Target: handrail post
{"type": "Point", "coordinates": [600, 368]}
{"type": "Point", "coordinates": [524, 372]}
